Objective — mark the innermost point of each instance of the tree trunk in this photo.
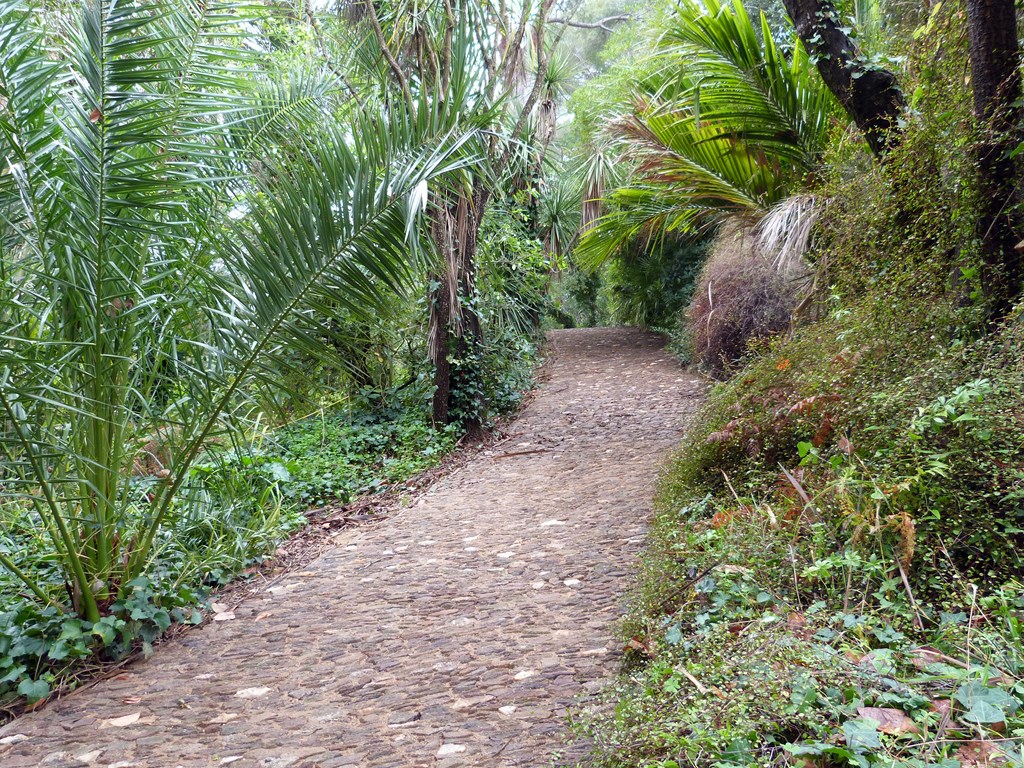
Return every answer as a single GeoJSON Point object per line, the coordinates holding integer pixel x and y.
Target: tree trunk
{"type": "Point", "coordinates": [996, 82]}
{"type": "Point", "coordinates": [871, 96]}
{"type": "Point", "coordinates": [454, 324]}
{"type": "Point", "coordinates": [439, 323]}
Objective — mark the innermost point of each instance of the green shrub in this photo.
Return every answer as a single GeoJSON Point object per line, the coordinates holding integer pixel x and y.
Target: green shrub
{"type": "Point", "coordinates": [652, 282]}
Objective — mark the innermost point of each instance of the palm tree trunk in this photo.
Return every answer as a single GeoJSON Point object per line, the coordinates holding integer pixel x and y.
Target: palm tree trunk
{"type": "Point", "coordinates": [454, 323]}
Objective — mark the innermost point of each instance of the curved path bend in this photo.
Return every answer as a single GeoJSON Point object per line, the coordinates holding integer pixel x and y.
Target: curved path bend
{"type": "Point", "coordinates": [455, 633]}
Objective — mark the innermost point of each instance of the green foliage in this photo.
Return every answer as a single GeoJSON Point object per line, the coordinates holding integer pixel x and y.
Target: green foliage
{"type": "Point", "coordinates": [727, 125]}
{"type": "Point", "coordinates": [576, 299]}
{"type": "Point", "coordinates": [209, 538]}
{"type": "Point", "coordinates": [752, 639]}
{"type": "Point", "coordinates": [651, 288]}
{"type": "Point", "coordinates": [348, 452]}
{"type": "Point", "coordinates": [158, 289]}
{"type": "Point", "coordinates": [835, 561]}
{"type": "Point", "coordinates": [235, 508]}
{"type": "Point", "coordinates": [514, 267]}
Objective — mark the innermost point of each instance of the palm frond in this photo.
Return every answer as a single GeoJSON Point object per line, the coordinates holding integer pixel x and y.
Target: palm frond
{"type": "Point", "coordinates": [727, 125]}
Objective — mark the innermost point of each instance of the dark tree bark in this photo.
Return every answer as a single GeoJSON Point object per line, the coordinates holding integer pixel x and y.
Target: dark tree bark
{"type": "Point", "coordinates": [996, 82]}
{"type": "Point", "coordinates": [871, 96]}
{"type": "Point", "coordinates": [454, 323]}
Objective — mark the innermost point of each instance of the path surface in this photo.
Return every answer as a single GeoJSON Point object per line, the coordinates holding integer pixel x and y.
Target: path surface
{"type": "Point", "coordinates": [454, 633]}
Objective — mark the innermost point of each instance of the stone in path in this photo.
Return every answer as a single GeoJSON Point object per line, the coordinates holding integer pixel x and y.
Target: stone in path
{"type": "Point", "coordinates": [455, 633]}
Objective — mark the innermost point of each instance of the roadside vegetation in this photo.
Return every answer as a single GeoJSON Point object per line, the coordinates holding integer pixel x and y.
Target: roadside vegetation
{"type": "Point", "coordinates": [833, 576]}
{"type": "Point", "coordinates": [231, 280]}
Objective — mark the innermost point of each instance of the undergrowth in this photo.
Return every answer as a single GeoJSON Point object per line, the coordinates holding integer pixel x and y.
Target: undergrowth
{"type": "Point", "coordinates": [237, 507]}
{"type": "Point", "coordinates": [833, 577]}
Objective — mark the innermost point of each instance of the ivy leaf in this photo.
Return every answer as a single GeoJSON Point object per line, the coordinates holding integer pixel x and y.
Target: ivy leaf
{"type": "Point", "coordinates": [34, 690]}
{"type": "Point", "coordinates": [674, 635]}
{"type": "Point", "coordinates": [861, 734]}
{"type": "Point", "coordinates": [985, 704]}
{"type": "Point", "coordinates": [13, 674]}
{"type": "Point", "coordinates": [104, 631]}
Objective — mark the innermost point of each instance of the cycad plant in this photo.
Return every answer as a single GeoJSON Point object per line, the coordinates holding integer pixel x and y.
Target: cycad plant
{"type": "Point", "coordinates": [729, 125]}
{"type": "Point", "coordinates": [171, 225]}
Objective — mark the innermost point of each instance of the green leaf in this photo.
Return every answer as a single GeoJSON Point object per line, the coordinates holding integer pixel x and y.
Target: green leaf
{"type": "Point", "coordinates": [104, 630]}
{"type": "Point", "coordinates": [13, 674]}
{"type": "Point", "coordinates": [861, 734]}
{"type": "Point", "coordinates": [985, 704]}
{"type": "Point", "coordinates": [34, 690]}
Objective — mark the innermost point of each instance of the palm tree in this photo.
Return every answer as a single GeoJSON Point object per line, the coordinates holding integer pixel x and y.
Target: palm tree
{"type": "Point", "coordinates": [470, 53]}
{"type": "Point", "coordinates": [171, 223]}
{"type": "Point", "coordinates": [728, 125]}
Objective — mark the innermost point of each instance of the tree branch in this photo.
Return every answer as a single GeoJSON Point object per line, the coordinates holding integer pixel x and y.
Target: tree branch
{"type": "Point", "coordinates": [599, 24]}
{"type": "Point", "coordinates": [396, 69]}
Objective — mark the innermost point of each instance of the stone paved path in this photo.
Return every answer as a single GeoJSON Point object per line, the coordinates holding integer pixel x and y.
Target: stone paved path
{"type": "Point", "coordinates": [454, 633]}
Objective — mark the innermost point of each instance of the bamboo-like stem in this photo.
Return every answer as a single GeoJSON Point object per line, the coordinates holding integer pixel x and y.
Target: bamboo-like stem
{"type": "Point", "coordinates": [29, 582]}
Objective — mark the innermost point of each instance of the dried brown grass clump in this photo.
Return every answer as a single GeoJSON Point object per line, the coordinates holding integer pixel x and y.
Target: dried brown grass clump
{"type": "Point", "coordinates": [740, 298]}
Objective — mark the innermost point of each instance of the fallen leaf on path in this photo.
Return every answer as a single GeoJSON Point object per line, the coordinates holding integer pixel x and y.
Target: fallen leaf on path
{"type": "Point", "coordinates": [262, 616]}
{"type": "Point", "coordinates": [891, 721]}
{"type": "Point", "coordinates": [121, 722]}
{"type": "Point", "coordinates": [252, 693]}
{"type": "Point", "coordinates": [980, 753]}
{"type": "Point", "coordinates": [227, 717]}
{"type": "Point", "coordinates": [450, 749]}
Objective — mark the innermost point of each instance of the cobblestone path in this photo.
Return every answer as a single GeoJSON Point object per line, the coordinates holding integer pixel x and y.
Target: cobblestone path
{"type": "Point", "coordinates": [455, 633]}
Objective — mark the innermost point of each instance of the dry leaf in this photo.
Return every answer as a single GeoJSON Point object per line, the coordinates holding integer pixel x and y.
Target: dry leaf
{"type": "Point", "coordinates": [796, 621]}
{"type": "Point", "coordinates": [252, 693]}
{"type": "Point", "coordinates": [733, 569]}
{"type": "Point", "coordinates": [980, 753]}
{"type": "Point", "coordinates": [121, 722]}
{"type": "Point", "coordinates": [262, 616]}
{"type": "Point", "coordinates": [889, 720]}
{"type": "Point", "coordinates": [227, 717]}
{"type": "Point", "coordinates": [640, 645]}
